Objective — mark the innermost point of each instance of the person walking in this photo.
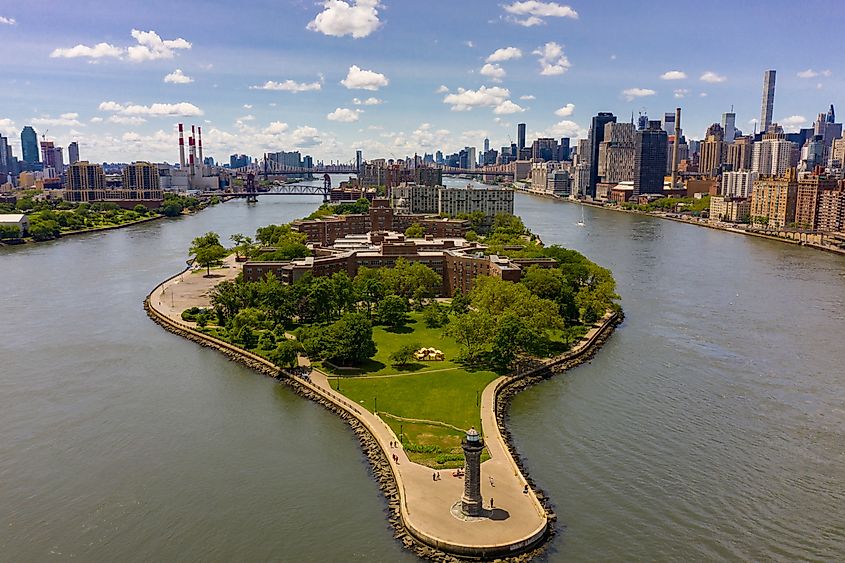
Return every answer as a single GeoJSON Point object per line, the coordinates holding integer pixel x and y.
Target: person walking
{"type": "Point", "coordinates": [491, 481]}
{"type": "Point", "coordinates": [491, 502]}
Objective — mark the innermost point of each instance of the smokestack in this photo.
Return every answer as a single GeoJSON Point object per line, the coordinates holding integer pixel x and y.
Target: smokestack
{"type": "Point", "coordinates": [181, 148]}
{"type": "Point", "coordinates": [676, 147]}
{"type": "Point", "coordinates": [201, 161]}
{"type": "Point", "coordinates": [192, 150]}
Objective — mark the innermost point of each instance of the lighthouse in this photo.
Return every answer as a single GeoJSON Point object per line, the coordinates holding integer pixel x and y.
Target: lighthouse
{"type": "Point", "coordinates": [473, 445]}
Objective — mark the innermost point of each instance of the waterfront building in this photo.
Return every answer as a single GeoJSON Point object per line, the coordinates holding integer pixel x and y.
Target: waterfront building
{"type": "Point", "coordinates": [773, 200]}
{"type": "Point", "coordinates": [738, 184]}
{"type": "Point", "coordinates": [768, 105]}
{"type": "Point", "coordinates": [739, 152]}
{"type": "Point", "coordinates": [141, 181]}
{"type": "Point", "coordinates": [73, 153]}
{"type": "Point", "coordinates": [810, 188]}
{"type": "Point", "coordinates": [729, 209]}
{"type": "Point", "coordinates": [29, 145]}
{"type": "Point", "coordinates": [649, 159]}
{"type": "Point", "coordinates": [18, 220]}
{"type": "Point", "coordinates": [85, 182]}
{"type": "Point", "coordinates": [545, 180]}
{"type": "Point", "coordinates": [773, 155]}
{"type": "Point", "coordinates": [489, 200]}
{"type": "Point", "coordinates": [831, 213]}
{"type": "Point", "coordinates": [595, 138]}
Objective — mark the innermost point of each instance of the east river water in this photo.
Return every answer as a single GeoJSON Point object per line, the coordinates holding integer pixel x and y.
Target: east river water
{"type": "Point", "coordinates": [710, 427]}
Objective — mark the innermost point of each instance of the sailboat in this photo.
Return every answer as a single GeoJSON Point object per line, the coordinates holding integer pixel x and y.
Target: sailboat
{"type": "Point", "coordinates": [582, 223]}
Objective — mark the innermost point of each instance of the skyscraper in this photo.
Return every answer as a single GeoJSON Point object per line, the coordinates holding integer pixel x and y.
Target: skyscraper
{"type": "Point", "coordinates": [486, 145]}
{"type": "Point", "coordinates": [29, 145]}
{"type": "Point", "coordinates": [595, 138]}
{"type": "Point", "coordinates": [669, 123]}
{"type": "Point", "coordinates": [651, 144]}
{"type": "Point", "coordinates": [768, 106]}
{"type": "Point", "coordinates": [359, 161]}
{"type": "Point", "coordinates": [520, 135]}
{"type": "Point", "coordinates": [73, 153]}
{"type": "Point", "coordinates": [729, 125]}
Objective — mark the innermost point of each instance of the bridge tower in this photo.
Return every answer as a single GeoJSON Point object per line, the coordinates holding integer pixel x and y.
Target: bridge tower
{"type": "Point", "coordinates": [327, 186]}
{"type": "Point", "coordinates": [251, 190]}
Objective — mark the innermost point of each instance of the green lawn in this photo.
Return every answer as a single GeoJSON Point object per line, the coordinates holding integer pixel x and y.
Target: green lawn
{"type": "Point", "coordinates": [442, 391]}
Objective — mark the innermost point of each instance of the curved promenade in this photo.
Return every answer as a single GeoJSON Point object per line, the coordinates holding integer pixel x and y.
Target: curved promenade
{"type": "Point", "coordinates": [518, 521]}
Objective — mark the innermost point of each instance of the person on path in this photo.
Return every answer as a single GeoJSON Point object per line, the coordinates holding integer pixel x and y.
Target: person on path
{"type": "Point", "coordinates": [491, 481]}
{"type": "Point", "coordinates": [491, 502]}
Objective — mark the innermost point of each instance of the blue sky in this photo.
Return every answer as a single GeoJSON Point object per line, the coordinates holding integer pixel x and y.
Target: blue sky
{"type": "Point", "coordinates": [77, 70]}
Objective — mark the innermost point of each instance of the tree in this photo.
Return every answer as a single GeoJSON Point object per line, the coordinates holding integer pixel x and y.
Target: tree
{"type": "Point", "coordinates": [392, 311]}
{"type": "Point", "coordinates": [368, 287]}
{"type": "Point", "coordinates": [512, 338]}
{"type": "Point", "coordinates": [207, 250]}
{"type": "Point", "coordinates": [415, 231]}
{"type": "Point", "coordinates": [349, 340]}
{"type": "Point", "coordinates": [140, 209]}
{"type": "Point", "coordinates": [460, 303]}
{"type": "Point", "coordinates": [472, 331]}
{"type": "Point", "coordinates": [241, 243]}
{"type": "Point", "coordinates": [286, 353]}
{"type": "Point", "coordinates": [404, 354]}
{"type": "Point", "coordinates": [435, 316]}
{"type": "Point", "coordinates": [9, 232]}
{"type": "Point", "coordinates": [246, 336]}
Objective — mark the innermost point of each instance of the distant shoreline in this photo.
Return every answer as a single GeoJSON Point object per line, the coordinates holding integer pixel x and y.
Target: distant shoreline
{"type": "Point", "coordinates": [698, 223]}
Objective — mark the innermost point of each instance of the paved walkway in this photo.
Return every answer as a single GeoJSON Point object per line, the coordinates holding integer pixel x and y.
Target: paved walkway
{"type": "Point", "coordinates": [191, 289]}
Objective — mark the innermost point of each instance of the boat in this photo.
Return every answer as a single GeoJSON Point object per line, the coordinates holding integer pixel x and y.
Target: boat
{"type": "Point", "coordinates": [582, 223]}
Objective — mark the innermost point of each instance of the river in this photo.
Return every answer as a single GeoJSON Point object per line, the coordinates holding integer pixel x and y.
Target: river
{"type": "Point", "coordinates": [711, 426]}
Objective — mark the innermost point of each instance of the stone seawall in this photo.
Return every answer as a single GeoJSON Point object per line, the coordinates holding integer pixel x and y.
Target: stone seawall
{"type": "Point", "coordinates": [390, 484]}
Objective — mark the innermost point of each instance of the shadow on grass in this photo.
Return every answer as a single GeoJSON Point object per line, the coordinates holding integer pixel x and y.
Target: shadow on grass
{"type": "Point", "coordinates": [410, 367]}
{"type": "Point", "coordinates": [399, 329]}
{"type": "Point", "coordinates": [368, 366]}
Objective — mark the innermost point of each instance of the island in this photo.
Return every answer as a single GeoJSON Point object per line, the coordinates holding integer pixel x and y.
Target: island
{"type": "Point", "coordinates": [416, 330]}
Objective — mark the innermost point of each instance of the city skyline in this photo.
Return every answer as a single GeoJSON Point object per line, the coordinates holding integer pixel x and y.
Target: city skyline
{"type": "Point", "coordinates": [317, 78]}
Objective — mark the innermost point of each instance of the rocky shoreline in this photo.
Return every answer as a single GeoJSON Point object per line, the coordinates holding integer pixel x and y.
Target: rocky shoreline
{"type": "Point", "coordinates": [377, 458]}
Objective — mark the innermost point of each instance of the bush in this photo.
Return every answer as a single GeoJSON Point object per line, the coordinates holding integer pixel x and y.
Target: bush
{"type": "Point", "coordinates": [404, 354]}
{"type": "Point", "coordinates": [435, 315]}
{"type": "Point", "coordinates": [443, 458]}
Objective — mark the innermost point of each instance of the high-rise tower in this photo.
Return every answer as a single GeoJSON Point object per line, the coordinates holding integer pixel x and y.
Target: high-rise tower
{"type": "Point", "coordinates": [29, 145]}
{"type": "Point", "coordinates": [651, 144]}
{"type": "Point", "coordinates": [520, 135]}
{"type": "Point", "coordinates": [767, 109]}
{"type": "Point", "coordinates": [595, 139]}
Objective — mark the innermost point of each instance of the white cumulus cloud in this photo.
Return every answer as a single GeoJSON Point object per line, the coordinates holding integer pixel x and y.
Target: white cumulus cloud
{"type": "Point", "coordinates": [178, 77]}
{"type": "Point", "coordinates": [126, 119]}
{"type": "Point", "coordinates": [442, 89]}
{"type": "Point", "coordinates": [288, 86]}
{"type": "Point", "coordinates": [493, 71]}
{"type": "Point", "coordinates": [152, 47]}
{"type": "Point", "coordinates": [680, 92]}
{"type": "Point", "coordinates": [464, 100]}
{"type": "Point", "coordinates": [98, 51]}
{"type": "Point", "coordinates": [528, 97]}
{"type": "Point", "coordinates": [357, 18]}
{"type": "Point", "coordinates": [371, 101]}
{"type": "Point", "coordinates": [344, 115]}
{"type": "Point", "coordinates": [64, 120]}
{"type": "Point", "coordinates": [810, 73]}
{"type": "Point", "coordinates": [552, 59]}
{"type": "Point", "coordinates": [360, 79]}
{"type": "Point", "coordinates": [276, 127]}
{"type": "Point", "coordinates": [673, 75]}
{"type": "Point", "coordinates": [793, 122]}
{"type": "Point", "coordinates": [565, 111]}
{"type": "Point", "coordinates": [504, 54]}
{"type": "Point", "coordinates": [508, 107]}
{"type": "Point", "coordinates": [712, 77]}
{"type": "Point", "coordinates": [531, 12]}
{"type": "Point", "coordinates": [633, 93]}
{"type": "Point", "coordinates": [154, 110]}
{"type": "Point", "coordinates": [149, 47]}
{"type": "Point", "coordinates": [7, 21]}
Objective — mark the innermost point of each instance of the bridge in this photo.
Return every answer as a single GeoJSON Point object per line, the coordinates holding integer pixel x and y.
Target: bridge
{"type": "Point", "coordinates": [271, 168]}
{"type": "Point", "coordinates": [251, 192]}
{"type": "Point", "coordinates": [484, 171]}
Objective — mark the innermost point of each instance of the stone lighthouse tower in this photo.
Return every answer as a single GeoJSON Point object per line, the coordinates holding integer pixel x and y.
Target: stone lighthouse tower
{"type": "Point", "coordinates": [472, 445]}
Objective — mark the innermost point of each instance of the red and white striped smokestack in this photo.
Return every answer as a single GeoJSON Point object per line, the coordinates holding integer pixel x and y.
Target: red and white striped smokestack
{"type": "Point", "coordinates": [192, 149]}
{"type": "Point", "coordinates": [200, 160]}
{"type": "Point", "coordinates": [181, 148]}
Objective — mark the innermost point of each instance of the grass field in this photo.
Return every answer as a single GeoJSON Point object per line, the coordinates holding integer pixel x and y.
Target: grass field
{"type": "Point", "coordinates": [443, 392]}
